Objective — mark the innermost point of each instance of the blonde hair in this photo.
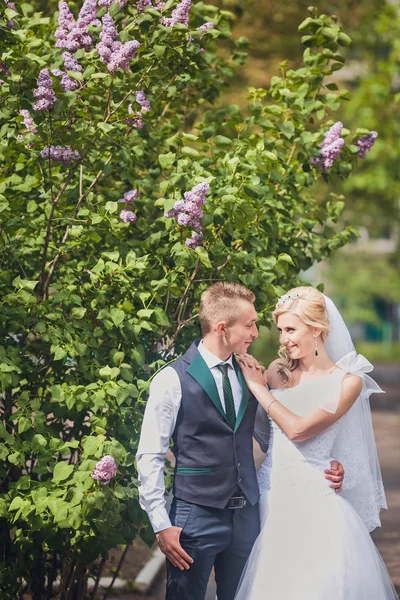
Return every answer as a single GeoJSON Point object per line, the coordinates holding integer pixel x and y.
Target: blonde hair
{"type": "Point", "coordinates": [217, 304]}
{"type": "Point", "coordinates": [310, 307]}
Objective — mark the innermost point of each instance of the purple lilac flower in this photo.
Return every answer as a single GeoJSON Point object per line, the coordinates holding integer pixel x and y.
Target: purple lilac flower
{"type": "Point", "coordinates": [332, 134]}
{"type": "Point", "coordinates": [180, 14]}
{"type": "Point", "coordinates": [73, 35]}
{"type": "Point", "coordinates": [127, 216]}
{"type": "Point", "coordinates": [113, 53]}
{"type": "Point", "coordinates": [70, 62]}
{"type": "Point", "coordinates": [69, 84]}
{"type": "Point", "coordinates": [195, 241]}
{"type": "Point", "coordinates": [365, 143]}
{"type": "Point", "coordinates": [188, 212]}
{"type": "Point", "coordinates": [142, 100]}
{"type": "Point", "coordinates": [28, 121]}
{"type": "Point", "coordinates": [108, 3]}
{"type": "Point", "coordinates": [4, 69]}
{"type": "Point", "coordinates": [44, 93]}
{"type": "Point", "coordinates": [62, 154]}
{"type": "Point", "coordinates": [129, 197]}
{"type": "Point", "coordinates": [330, 147]}
{"type": "Point", "coordinates": [122, 55]}
{"type": "Point", "coordinates": [11, 23]}
{"type": "Point", "coordinates": [137, 120]}
{"type": "Point", "coordinates": [330, 153]}
{"type": "Point", "coordinates": [105, 470]}
{"type": "Point", "coordinates": [141, 5]}
{"type": "Point", "coordinates": [204, 28]}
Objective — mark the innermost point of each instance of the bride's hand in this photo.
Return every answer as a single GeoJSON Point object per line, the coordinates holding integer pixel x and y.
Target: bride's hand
{"type": "Point", "coordinates": [252, 371]}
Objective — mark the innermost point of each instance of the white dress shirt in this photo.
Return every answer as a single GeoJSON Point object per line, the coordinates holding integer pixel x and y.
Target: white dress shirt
{"type": "Point", "coordinates": [158, 425]}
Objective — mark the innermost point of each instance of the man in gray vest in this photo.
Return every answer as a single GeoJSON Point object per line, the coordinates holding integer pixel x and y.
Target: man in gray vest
{"type": "Point", "coordinates": [202, 402]}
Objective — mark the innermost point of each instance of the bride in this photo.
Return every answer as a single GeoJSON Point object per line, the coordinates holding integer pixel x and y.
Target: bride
{"type": "Point", "coordinates": [314, 544]}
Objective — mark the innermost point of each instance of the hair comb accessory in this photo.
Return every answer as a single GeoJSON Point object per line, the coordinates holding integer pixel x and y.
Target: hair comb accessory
{"type": "Point", "coordinates": [285, 298]}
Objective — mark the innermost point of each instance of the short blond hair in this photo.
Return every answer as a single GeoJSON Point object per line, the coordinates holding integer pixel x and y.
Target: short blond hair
{"type": "Point", "coordinates": [217, 303]}
{"type": "Point", "coordinates": [310, 307]}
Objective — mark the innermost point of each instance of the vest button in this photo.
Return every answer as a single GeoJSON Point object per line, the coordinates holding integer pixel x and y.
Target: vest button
{"type": "Point", "coordinates": [239, 480]}
{"type": "Point", "coordinates": [238, 464]}
{"type": "Point", "coordinates": [236, 447]}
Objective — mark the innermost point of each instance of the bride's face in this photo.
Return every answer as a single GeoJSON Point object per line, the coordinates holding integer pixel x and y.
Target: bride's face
{"type": "Point", "coordinates": [296, 336]}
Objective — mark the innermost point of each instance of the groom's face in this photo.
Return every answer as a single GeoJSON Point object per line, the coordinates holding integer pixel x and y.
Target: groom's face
{"type": "Point", "coordinates": [243, 331]}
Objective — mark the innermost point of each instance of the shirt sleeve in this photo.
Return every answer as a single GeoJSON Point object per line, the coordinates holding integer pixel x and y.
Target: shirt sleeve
{"type": "Point", "coordinates": [158, 425]}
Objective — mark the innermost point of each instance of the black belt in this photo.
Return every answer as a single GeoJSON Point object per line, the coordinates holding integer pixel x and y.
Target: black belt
{"type": "Point", "coordinates": [237, 502]}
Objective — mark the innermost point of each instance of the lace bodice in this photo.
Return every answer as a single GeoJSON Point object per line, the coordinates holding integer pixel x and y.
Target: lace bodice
{"type": "Point", "coordinates": [288, 462]}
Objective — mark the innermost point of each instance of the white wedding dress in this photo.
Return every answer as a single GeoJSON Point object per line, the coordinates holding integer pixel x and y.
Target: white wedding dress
{"type": "Point", "coordinates": [313, 545]}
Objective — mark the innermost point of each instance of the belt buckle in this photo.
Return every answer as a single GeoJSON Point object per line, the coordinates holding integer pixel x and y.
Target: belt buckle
{"type": "Point", "coordinates": [236, 502]}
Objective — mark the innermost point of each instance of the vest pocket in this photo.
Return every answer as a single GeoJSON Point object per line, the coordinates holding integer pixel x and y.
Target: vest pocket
{"type": "Point", "coordinates": [193, 470]}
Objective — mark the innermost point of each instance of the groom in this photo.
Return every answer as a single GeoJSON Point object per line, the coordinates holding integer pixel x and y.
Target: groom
{"type": "Point", "coordinates": [202, 402]}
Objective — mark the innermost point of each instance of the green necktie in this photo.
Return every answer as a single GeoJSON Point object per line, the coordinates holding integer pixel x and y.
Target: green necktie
{"type": "Point", "coordinates": [228, 396]}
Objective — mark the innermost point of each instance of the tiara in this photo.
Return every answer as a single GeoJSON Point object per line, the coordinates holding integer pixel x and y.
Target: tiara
{"type": "Point", "coordinates": [285, 298]}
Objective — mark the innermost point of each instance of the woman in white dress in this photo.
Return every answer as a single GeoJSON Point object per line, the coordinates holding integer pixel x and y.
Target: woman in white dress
{"type": "Point", "coordinates": [314, 544]}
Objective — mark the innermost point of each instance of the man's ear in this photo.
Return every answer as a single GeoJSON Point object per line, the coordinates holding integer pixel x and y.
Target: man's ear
{"type": "Point", "coordinates": [221, 327]}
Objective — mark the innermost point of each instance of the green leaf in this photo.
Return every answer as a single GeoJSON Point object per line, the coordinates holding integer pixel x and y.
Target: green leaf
{"type": "Point", "coordinates": [38, 442]}
{"type": "Point", "coordinates": [287, 128]}
{"type": "Point", "coordinates": [31, 206]}
{"type": "Point", "coordinates": [117, 316]}
{"type": "Point", "coordinates": [24, 423]}
{"type": "Point", "coordinates": [78, 312]}
{"type": "Point", "coordinates": [221, 140]}
{"type": "Point", "coordinates": [166, 160]}
{"type": "Point", "coordinates": [109, 372]}
{"type": "Point", "coordinates": [26, 284]}
{"type": "Point", "coordinates": [62, 471]}
{"type": "Point", "coordinates": [203, 255]}
{"type": "Point", "coordinates": [283, 257]}
{"type": "Point", "coordinates": [158, 50]}
{"type": "Point", "coordinates": [59, 353]}
{"type": "Point", "coordinates": [111, 207]}
{"type": "Point", "coordinates": [106, 127]}
{"type": "Point", "coordinates": [188, 151]}
{"type": "Point", "coordinates": [270, 155]}
{"type": "Point", "coordinates": [15, 503]}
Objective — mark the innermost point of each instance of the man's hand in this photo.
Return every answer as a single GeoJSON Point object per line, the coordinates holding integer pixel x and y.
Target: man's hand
{"type": "Point", "coordinates": [335, 474]}
{"type": "Point", "coordinates": [168, 540]}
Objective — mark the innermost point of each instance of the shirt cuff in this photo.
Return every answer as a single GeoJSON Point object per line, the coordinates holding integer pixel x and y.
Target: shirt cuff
{"type": "Point", "coordinates": [159, 519]}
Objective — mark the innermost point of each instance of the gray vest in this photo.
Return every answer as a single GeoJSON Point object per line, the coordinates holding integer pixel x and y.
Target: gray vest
{"type": "Point", "coordinates": [212, 459]}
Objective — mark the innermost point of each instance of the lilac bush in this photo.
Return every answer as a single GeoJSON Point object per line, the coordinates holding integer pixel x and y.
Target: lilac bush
{"type": "Point", "coordinates": [109, 239]}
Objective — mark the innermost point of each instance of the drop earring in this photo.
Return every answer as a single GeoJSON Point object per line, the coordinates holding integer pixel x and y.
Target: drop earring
{"type": "Point", "coordinates": [316, 346]}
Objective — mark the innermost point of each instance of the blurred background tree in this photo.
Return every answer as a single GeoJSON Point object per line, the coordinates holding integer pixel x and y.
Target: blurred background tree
{"type": "Point", "coordinates": [364, 277]}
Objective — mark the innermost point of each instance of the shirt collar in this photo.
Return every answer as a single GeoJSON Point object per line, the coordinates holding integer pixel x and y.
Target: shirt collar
{"type": "Point", "coordinates": [210, 359]}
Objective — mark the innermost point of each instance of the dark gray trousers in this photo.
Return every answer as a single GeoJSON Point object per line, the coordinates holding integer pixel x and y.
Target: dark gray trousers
{"type": "Point", "coordinates": [222, 538]}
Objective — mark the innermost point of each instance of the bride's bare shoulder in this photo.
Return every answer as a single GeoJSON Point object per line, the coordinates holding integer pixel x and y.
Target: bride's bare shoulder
{"type": "Point", "coordinates": [275, 380]}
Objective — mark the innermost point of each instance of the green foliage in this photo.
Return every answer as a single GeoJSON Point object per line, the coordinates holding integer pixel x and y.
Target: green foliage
{"type": "Point", "coordinates": [92, 306]}
{"type": "Point", "coordinates": [374, 191]}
